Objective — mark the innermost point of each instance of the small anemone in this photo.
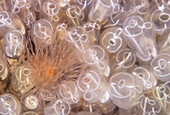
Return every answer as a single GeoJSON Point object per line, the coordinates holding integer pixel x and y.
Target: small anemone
{"type": "Point", "coordinates": [52, 64]}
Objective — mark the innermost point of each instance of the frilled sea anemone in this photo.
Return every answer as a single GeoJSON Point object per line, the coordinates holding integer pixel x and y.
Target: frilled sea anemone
{"type": "Point", "coordinates": [52, 64]}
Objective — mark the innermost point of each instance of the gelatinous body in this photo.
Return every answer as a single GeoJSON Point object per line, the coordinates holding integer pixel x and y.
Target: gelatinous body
{"type": "Point", "coordinates": [3, 67]}
{"type": "Point", "coordinates": [21, 81]}
{"type": "Point", "coordinates": [111, 39]}
{"type": "Point", "coordinates": [122, 87]}
{"type": "Point", "coordinates": [69, 91]}
{"type": "Point", "coordinates": [150, 105]}
{"type": "Point", "coordinates": [125, 59]}
{"type": "Point", "coordinates": [42, 30]}
{"type": "Point", "coordinates": [14, 44]}
{"type": "Point", "coordinates": [4, 18]}
{"type": "Point", "coordinates": [78, 36]}
{"type": "Point", "coordinates": [148, 80]}
{"type": "Point", "coordinates": [161, 18]}
{"type": "Point", "coordinates": [92, 85]}
{"type": "Point", "coordinates": [60, 107]}
{"type": "Point", "coordinates": [9, 105]}
{"type": "Point", "coordinates": [96, 56]}
{"type": "Point", "coordinates": [103, 9]}
{"type": "Point", "coordinates": [161, 66]}
{"type": "Point", "coordinates": [51, 8]}
{"type": "Point", "coordinates": [140, 36]}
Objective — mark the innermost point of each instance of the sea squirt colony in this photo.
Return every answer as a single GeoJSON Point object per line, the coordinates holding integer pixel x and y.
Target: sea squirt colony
{"type": "Point", "coordinates": [84, 57]}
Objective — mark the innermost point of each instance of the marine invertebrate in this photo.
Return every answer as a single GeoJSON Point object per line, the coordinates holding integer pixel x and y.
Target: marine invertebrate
{"type": "Point", "coordinates": [134, 28]}
{"type": "Point", "coordinates": [122, 87]}
{"type": "Point", "coordinates": [161, 66]}
{"type": "Point", "coordinates": [52, 64]}
{"type": "Point", "coordinates": [14, 44]}
{"type": "Point", "coordinates": [9, 104]}
{"type": "Point", "coordinates": [79, 57]}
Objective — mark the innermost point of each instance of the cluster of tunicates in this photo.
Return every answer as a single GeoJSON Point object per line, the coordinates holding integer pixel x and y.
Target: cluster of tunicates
{"type": "Point", "coordinates": [84, 57]}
